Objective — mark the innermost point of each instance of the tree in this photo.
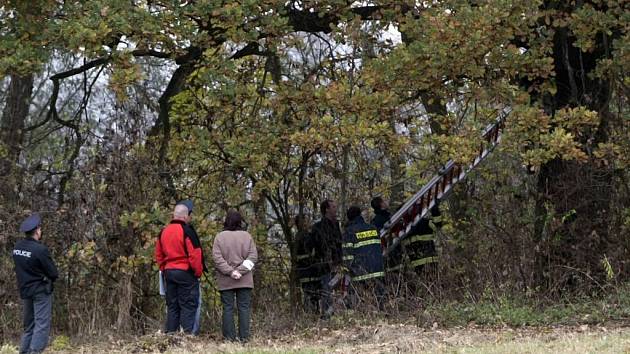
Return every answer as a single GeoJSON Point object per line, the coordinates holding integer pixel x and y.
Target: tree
{"type": "Point", "coordinates": [556, 65]}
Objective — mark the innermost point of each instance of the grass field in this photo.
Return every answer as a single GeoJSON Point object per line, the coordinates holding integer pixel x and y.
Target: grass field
{"type": "Point", "coordinates": [376, 338]}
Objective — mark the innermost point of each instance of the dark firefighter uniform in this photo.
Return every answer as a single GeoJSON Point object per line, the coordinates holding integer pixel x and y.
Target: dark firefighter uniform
{"type": "Point", "coordinates": [419, 245]}
{"type": "Point", "coordinates": [393, 261]}
{"type": "Point", "coordinates": [324, 244]}
{"type": "Point", "coordinates": [36, 272]}
{"type": "Point", "coordinates": [381, 216]}
{"type": "Point", "coordinates": [178, 254]}
{"type": "Point", "coordinates": [363, 257]}
{"type": "Point", "coordinates": [307, 274]}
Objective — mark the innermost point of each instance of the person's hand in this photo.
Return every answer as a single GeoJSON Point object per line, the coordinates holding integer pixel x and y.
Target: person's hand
{"type": "Point", "coordinates": [235, 275]}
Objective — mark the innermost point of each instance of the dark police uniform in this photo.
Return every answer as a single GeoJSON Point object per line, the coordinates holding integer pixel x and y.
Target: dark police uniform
{"type": "Point", "coordinates": [362, 255]}
{"type": "Point", "coordinates": [36, 273]}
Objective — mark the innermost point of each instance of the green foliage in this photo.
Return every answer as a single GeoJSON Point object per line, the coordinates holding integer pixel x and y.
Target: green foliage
{"type": "Point", "coordinates": [517, 311]}
{"type": "Point", "coordinates": [24, 35]}
{"type": "Point", "coordinates": [8, 349]}
{"type": "Point", "coordinates": [610, 273]}
{"type": "Point", "coordinates": [305, 117]}
{"type": "Point", "coordinates": [61, 342]}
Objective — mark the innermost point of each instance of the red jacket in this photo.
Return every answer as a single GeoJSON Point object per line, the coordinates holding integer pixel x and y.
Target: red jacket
{"type": "Point", "coordinates": [174, 249]}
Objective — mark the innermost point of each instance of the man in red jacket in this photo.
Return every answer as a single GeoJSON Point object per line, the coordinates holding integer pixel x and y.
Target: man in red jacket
{"type": "Point", "coordinates": [178, 254]}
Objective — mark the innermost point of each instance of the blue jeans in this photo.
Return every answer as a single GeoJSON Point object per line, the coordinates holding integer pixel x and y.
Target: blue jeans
{"type": "Point", "coordinates": [37, 318]}
{"type": "Point", "coordinates": [197, 324]}
{"type": "Point", "coordinates": [243, 300]}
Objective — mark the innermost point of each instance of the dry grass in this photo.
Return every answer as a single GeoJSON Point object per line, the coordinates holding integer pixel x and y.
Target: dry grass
{"type": "Point", "coordinates": [384, 338]}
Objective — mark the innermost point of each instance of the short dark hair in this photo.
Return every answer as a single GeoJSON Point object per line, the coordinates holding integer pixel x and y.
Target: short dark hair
{"type": "Point", "coordinates": [324, 206]}
{"type": "Point", "coordinates": [31, 233]}
{"type": "Point", "coordinates": [299, 220]}
{"type": "Point", "coordinates": [233, 221]}
{"type": "Point", "coordinates": [376, 203]}
{"type": "Point", "coordinates": [353, 212]}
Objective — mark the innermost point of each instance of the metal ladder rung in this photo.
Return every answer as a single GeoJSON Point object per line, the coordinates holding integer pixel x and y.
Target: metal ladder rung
{"type": "Point", "coordinates": [439, 186]}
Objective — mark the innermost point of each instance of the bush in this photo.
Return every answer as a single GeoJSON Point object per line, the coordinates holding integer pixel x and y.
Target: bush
{"type": "Point", "coordinates": [8, 349]}
{"type": "Point", "coordinates": [60, 343]}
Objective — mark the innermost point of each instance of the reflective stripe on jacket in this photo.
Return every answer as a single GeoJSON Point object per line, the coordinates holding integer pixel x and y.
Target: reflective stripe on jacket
{"type": "Point", "coordinates": [362, 253]}
{"type": "Point", "coordinates": [419, 245]}
{"type": "Point", "coordinates": [306, 271]}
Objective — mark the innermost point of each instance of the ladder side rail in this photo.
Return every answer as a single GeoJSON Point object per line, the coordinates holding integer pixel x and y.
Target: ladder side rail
{"type": "Point", "coordinates": [439, 187]}
{"type": "Point", "coordinates": [401, 212]}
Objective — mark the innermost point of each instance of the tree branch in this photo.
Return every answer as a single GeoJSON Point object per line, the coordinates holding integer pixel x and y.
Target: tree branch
{"type": "Point", "coordinates": [307, 21]}
{"type": "Point", "coordinates": [83, 68]}
{"type": "Point", "coordinates": [150, 53]}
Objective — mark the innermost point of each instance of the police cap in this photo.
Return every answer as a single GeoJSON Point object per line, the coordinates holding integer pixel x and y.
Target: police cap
{"type": "Point", "coordinates": [30, 223]}
{"type": "Point", "coordinates": [187, 203]}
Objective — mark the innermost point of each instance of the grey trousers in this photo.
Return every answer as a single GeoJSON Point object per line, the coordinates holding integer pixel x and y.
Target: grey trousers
{"type": "Point", "coordinates": [37, 318]}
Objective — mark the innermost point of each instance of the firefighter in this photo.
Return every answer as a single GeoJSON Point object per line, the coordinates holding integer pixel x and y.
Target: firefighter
{"type": "Point", "coordinates": [325, 245]}
{"type": "Point", "coordinates": [419, 245]}
{"type": "Point", "coordinates": [394, 260]}
{"type": "Point", "coordinates": [179, 256]}
{"type": "Point", "coordinates": [363, 258]}
{"type": "Point", "coordinates": [381, 214]}
{"type": "Point", "coordinates": [306, 273]}
{"type": "Point", "coordinates": [36, 272]}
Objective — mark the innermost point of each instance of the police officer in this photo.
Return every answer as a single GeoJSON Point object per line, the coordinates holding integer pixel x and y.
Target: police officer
{"type": "Point", "coordinates": [363, 256]}
{"type": "Point", "coordinates": [36, 272]}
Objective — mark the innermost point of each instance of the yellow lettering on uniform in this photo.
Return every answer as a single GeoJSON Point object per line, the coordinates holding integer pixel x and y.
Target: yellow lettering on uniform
{"type": "Point", "coordinates": [366, 234]}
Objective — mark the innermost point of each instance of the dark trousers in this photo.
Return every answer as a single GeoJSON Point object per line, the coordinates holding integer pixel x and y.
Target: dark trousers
{"type": "Point", "coordinates": [182, 300]}
{"type": "Point", "coordinates": [325, 296]}
{"type": "Point", "coordinates": [367, 292]}
{"type": "Point", "coordinates": [312, 295]}
{"type": "Point", "coordinates": [37, 317]}
{"type": "Point", "coordinates": [243, 300]}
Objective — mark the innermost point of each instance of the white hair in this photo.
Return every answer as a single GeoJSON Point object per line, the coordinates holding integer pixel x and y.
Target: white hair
{"type": "Point", "coordinates": [181, 211]}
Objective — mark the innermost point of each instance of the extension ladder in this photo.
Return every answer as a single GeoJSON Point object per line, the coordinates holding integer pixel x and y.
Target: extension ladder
{"type": "Point", "coordinates": [418, 206]}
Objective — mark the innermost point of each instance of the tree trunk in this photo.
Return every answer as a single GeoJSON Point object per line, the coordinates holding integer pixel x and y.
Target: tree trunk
{"type": "Point", "coordinates": [301, 231]}
{"type": "Point", "coordinates": [345, 175]}
{"type": "Point", "coordinates": [12, 133]}
{"type": "Point", "coordinates": [397, 176]}
{"type": "Point", "coordinates": [161, 130]}
{"type": "Point", "coordinates": [573, 204]}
